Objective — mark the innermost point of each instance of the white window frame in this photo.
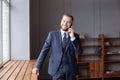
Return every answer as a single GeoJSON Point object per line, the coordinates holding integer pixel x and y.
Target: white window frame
{"type": "Point", "coordinates": [5, 31]}
{"type": "Point", "coordinates": [1, 52]}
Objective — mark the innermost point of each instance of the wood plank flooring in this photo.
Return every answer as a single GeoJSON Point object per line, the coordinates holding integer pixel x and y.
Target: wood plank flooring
{"type": "Point", "coordinates": [18, 70]}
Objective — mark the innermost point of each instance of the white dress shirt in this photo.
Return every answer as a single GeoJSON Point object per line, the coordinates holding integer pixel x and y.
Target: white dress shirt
{"type": "Point", "coordinates": [67, 34]}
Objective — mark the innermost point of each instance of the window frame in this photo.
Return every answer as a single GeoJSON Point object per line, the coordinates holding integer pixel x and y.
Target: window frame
{"type": "Point", "coordinates": [7, 3]}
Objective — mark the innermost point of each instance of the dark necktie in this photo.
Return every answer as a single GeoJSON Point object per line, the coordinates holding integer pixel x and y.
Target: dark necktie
{"type": "Point", "coordinates": [64, 42]}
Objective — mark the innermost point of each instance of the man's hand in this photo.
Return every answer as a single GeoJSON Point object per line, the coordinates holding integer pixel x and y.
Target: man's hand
{"type": "Point", "coordinates": [71, 32]}
{"type": "Point", "coordinates": [35, 71]}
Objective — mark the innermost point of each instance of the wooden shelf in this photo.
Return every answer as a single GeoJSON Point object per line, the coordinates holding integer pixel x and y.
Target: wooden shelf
{"type": "Point", "coordinates": [113, 45]}
{"type": "Point", "coordinates": [113, 53]}
{"type": "Point", "coordinates": [109, 38]}
{"type": "Point", "coordinates": [83, 67]}
{"type": "Point", "coordinates": [112, 74]}
{"type": "Point", "coordinates": [84, 62]}
{"type": "Point", "coordinates": [96, 68]}
{"type": "Point", "coordinates": [91, 38]}
{"type": "Point", "coordinates": [87, 77]}
{"type": "Point", "coordinates": [83, 77]}
{"type": "Point", "coordinates": [90, 45]}
{"type": "Point", "coordinates": [89, 54]}
{"type": "Point", "coordinates": [112, 61]}
{"type": "Point", "coordinates": [109, 58]}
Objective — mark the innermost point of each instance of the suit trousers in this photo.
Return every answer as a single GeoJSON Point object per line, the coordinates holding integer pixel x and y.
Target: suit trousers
{"type": "Point", "coordinates": [61, 75]}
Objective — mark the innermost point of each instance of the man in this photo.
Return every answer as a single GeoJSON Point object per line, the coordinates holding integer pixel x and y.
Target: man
{"type": "Point", "coordinates": [64, 43]}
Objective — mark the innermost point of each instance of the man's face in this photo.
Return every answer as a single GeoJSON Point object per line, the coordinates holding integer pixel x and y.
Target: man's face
{"type": "Point", "coordinates": [66, 23]}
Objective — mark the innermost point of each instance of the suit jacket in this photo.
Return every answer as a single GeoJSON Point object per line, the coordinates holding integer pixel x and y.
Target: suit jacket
{"type": "Point", "coordinates": [54, 41]}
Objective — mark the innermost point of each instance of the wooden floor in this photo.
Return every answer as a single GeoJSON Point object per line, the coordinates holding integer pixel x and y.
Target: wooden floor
{"type": "Point", "coordinates": [18, 70]}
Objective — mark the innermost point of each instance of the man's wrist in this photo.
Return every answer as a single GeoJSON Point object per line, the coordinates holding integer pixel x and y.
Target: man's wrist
{"type": "Point", "coordinates": [72, 38]}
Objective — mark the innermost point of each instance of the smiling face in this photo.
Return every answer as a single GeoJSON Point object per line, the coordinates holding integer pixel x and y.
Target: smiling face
{"type": "Point", "coordinates": [66, 22]}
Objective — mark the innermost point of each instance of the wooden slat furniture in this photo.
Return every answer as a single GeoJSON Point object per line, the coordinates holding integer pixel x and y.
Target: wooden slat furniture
{"type": "Point", "coordinates": [18, 70]}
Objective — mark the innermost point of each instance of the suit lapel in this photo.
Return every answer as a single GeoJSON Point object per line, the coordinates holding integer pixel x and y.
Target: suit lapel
{"type": "Point", "coordinates": [59, 39]}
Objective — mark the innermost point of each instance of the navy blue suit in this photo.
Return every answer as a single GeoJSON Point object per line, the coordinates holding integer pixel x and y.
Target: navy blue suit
{"type": "Point", "coordinates": [54, 41]}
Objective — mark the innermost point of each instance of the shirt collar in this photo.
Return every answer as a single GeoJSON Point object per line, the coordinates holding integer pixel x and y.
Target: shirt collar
{"type": "Point", "coordinates": [62, 33]}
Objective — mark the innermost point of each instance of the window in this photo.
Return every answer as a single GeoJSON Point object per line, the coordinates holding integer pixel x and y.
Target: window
{"type": "Point", "coordinates": [4, 31]}
{"type": "Point", "coordinates": [1, 58]}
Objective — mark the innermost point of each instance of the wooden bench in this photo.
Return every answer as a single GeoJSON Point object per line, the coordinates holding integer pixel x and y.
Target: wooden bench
{"type": "Point", "coordinates": [18, 70]}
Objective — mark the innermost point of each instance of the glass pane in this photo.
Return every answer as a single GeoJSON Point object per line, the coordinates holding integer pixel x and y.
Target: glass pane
{"type": "Point", "coordinates": [6, 39]}
{"type": "Point", "coordinates": [1, 56]}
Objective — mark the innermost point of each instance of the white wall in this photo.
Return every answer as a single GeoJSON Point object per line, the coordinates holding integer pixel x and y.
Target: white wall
{"type": "Point", "coordinates": [20, 43]}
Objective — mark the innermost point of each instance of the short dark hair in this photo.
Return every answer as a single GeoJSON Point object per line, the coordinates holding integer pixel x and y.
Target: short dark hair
{"type": "Point", "coordinates": [69, 15]}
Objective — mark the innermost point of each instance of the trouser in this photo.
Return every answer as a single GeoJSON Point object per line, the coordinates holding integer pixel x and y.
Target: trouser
{"type": "Point", "coordinates": [61, 75]}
